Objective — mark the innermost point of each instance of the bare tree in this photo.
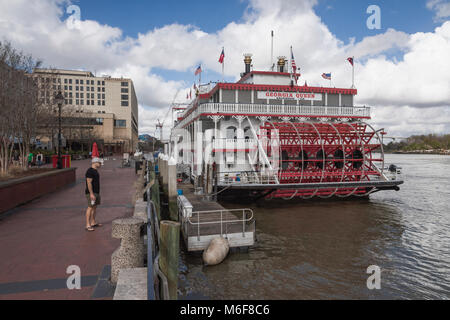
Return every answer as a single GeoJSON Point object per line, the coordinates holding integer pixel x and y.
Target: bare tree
{"type": "Point", "coordinates": [17, 101]}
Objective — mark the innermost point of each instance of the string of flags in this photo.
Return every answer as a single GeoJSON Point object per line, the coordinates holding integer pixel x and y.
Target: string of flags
{"type": "Point", "coordinates": [295, 75]}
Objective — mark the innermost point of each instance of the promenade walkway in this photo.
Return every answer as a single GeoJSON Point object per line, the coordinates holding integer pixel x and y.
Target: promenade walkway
{"type": "Point", "coordinates": [39, 240]}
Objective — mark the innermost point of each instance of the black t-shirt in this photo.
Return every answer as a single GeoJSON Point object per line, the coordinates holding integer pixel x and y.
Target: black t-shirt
{"type": "Point", "coordinates": [93, 174]}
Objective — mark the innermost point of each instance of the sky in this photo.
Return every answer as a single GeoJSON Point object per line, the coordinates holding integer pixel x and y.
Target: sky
{"type": "Point", "coordinates": [402, 68]}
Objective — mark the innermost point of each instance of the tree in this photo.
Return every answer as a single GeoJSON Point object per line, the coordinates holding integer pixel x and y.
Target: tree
{"type": "Point", "coordinates": [18, 96]}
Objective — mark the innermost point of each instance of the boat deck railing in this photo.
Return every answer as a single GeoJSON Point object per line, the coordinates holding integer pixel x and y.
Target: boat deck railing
{"type": "Point", "coordinates": [249, 109]}
{"type": "Point", "coordinates": [197, 221]}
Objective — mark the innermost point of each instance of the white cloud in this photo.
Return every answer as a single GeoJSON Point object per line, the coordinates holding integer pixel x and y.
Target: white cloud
{"type": "Point", "coordinates": [440, 7]}
{"type": "Point", "coordinates": [419, 80]}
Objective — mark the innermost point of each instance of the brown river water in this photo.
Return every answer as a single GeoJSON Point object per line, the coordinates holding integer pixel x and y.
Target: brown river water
{"type": "Point", "coordinates": [321, 250]}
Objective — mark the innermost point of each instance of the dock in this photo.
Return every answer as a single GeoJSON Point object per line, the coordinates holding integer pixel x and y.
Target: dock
{"type": "Point", "coordinates": [204, 220]}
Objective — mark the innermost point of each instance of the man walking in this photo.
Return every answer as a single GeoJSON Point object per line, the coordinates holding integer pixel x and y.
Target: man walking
{"type": "Point", "coordinates": [93, 194]}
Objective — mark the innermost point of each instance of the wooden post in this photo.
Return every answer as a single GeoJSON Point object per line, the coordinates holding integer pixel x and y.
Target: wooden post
{"type": "Point", "coordinates": [172, 188]}
{"type": "Point", "coordinates": [169, 252]}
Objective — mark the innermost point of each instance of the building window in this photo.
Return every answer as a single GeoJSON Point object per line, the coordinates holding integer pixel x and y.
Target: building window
{"type": "Point", "coordinates": [82, 102]}
{"type": "Point", "coordinates": [88, 102]}
{"type": "Point", "coordinates": [124, 97]}
{"type": "Point", "coordinates": [65, 81]}
{"type": "Point", "coordinates": [103, 89]}
{"type": "Point", "coordinates": [70, 81]}
{"type": "Point", "coordinates": [87, 88]}
{"type": "Point", "coordinates": [77, 88]}
{"type": "Point", "coordinates": [124, 90]}
{"type": "Point", "coordinates": [81, 88]}
{"type": "Point", "coordinates": [66, 88]}
{"type": "Point", "coordinates": [70, 88]}
{"type": "Point", "coordinates": [99, 120]}
{"type": "Point", "coordinates": [77, 82]}
{"type": "Point", "coordinates": [103, 83]}
{"type": "Point", "coordinates": [124, 103]}
{"type": "Point", "coordinates": [103, 96]}
{"type": "Point", "coordinates": [82, 95]}
{"type": "Point", "coordinates": [92, 89]}
{"type": "Point", "coordinates": [70, 94]}
{"type": "Point", "coordinates": [99, 103]}
{"type": "Point", "coordinates": [103, 102]}
{"type": "Point", "coordinates": [78, 102]}
{"type": "Point", "coordinates": [92, 102]}
{"type": "Point", "coordinates": [98, 82]}
{"type": "Point", "coordinates": [124, 84]}
{"type": "Point", "coordinates": [99, 96]}
{"type": "Point", "coordinates": [120, 123]}
{"type": "Point", "coordinates": [81, 82]}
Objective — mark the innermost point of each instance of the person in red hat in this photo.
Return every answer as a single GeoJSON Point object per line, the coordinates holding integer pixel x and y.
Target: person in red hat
{"type": "Point", "coordinates": [93, 194]}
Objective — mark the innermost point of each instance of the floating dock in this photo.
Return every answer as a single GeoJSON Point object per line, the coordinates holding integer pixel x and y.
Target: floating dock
{"type": "Point", "coordinates": [203, 220]}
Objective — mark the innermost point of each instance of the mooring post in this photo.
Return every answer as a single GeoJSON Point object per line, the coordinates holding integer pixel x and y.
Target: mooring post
{"type": "Point", "coordinates": [169, 252]}
{"type": "Point", "coordinates": [172, 189]}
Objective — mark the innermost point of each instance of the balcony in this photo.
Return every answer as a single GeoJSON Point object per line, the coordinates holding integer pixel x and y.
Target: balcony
{"type": "Point", "coordinates": [274, 111]}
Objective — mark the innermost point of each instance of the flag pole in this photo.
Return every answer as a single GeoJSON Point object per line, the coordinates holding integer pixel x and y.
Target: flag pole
{"type": "Point", "coordinates": [223, 66]}
{"type": "Point", "coordinates": [353, 73]}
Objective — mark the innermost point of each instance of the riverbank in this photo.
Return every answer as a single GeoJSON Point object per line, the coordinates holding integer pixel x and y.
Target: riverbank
{"type": "Point", "coordinates": [431, 152]}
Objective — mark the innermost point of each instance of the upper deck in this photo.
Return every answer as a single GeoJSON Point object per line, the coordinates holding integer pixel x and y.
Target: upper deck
{"type": "Point", "coordinates": [272, 94]}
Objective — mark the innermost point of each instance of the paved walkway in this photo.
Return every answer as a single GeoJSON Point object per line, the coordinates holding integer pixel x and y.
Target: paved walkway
{"type": "Point", "coordinates": [38, 241]}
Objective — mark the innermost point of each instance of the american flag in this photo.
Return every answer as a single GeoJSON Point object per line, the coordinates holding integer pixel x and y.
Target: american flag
{"type": "Point", "coordinates": [199, 70]}
{"type": "Point", "coordinates": [222, 56]}
{"type": "Point", "coordinates": [326, 76]}
{"type": "Point", "coordinates": [350, 60]}
{"type": "Point", "coordinates": [294, 66]}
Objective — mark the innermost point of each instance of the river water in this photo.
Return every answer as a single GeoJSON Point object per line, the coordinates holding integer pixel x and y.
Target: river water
{"type": "Point", "coordinates": [321, 250]}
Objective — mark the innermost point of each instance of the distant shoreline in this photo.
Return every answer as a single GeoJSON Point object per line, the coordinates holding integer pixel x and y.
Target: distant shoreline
{"type": "Point", "coordinates": [441, 153]}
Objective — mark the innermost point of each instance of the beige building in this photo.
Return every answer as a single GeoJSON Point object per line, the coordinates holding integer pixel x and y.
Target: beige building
{"type": "Point", "coordinates": [109, 105]}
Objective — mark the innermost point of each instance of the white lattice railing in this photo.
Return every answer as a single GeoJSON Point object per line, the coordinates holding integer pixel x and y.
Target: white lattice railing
{"type": "Point", "coordinates": [279, 110]}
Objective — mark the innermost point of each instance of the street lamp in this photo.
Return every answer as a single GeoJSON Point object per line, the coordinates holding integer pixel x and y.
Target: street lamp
{"type": "Point", "coordinates": [59, 99]}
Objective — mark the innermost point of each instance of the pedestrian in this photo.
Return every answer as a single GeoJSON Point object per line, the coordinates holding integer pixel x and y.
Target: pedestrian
{"type": "Point", "coordinates": [93, 194]}
{"type": "Point", "coordinates": [40, 159]}
{"type": "Point", "coordinates": [30, 159]}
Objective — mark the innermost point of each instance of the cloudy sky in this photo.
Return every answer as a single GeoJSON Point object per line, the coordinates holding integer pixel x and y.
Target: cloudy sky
{"type": "Point", "coordinates": [402, 69]}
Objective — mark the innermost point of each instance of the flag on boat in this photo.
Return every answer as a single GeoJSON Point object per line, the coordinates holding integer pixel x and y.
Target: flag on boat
{"type": "Point", "coordinates": [199, 70]}
{"type": "Point", "coordinates": [294, 66]}
{"type": "Point", "coordinates": [350, 60]}
{"type": "Point", "coordinates": [326, 76]}
{"type": "Point", "coordinates": [222, 56]}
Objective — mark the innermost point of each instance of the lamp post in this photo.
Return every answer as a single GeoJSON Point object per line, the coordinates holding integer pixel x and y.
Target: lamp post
{"type": "Point", "coordinates": [59, 99]}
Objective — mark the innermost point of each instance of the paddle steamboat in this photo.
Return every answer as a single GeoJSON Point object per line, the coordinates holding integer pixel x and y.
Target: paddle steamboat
{"type": "Point", "coordinates": [266, 137]}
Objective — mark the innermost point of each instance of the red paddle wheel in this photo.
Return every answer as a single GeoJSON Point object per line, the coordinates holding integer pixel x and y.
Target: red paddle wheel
{"type": "Point", "coordinates": [320, 153]}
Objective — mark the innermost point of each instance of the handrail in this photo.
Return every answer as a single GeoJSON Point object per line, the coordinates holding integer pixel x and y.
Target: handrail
{"type": "Point", "coordinates": [153, 270]}
{"type": "Point", "coordinates": [221, 222]}
{"type": "Point", "coordinates": [286, 110]}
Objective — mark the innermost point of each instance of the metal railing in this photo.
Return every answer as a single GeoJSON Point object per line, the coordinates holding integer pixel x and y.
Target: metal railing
{"type": "Point", "coordinates": [279, 110]}
{"type": "Point", "coordinates": [154, 275]}
{"type": "Point", "coordinates": [222, 222]}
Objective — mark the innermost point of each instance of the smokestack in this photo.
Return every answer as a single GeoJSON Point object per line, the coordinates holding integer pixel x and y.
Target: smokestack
{"type": "Point", "coordinates": [248, 62]}
{"type": "Point", "coordinates": [281, 63]}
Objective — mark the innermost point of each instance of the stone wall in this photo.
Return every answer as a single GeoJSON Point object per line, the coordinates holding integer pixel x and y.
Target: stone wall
{"type": "Point", "coordinates": [20, 191]}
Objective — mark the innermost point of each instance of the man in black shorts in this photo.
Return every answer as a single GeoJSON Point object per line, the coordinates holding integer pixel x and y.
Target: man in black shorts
{"type": "Point", "coordinates": [93, 194]}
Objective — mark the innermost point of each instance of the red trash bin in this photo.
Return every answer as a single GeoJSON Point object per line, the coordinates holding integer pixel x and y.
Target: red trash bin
{"type": "Point", "coordinates": [55, 161]}
{"type": "Point", "coordinates": [66, 160]}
